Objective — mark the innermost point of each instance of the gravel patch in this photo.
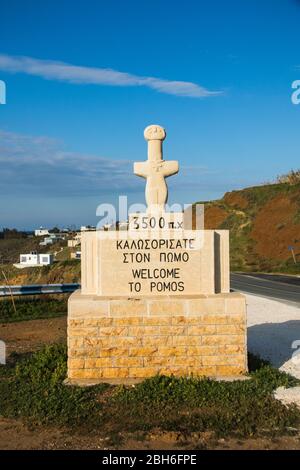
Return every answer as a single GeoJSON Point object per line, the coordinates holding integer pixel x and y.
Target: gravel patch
{"type": "Point", "coordinates": [288, 395]}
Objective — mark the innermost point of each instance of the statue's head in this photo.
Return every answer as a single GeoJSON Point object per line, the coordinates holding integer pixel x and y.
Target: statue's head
{"type": "Point", "coordinates": [154, 132]}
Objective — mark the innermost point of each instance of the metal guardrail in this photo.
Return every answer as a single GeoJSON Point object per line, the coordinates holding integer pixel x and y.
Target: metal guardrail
{"type": "Point", "coordinates": [36, 289]}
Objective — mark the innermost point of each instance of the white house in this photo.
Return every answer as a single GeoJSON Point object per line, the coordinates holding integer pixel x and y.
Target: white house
{"type": "Point", "coordinates": [87, 228]}
{"type": "Point", "coordinates": [76, 255]}
{"type": "Point", "coordinates": [35, 259]}
{"type": "Point", "coordinates": [41, 232]}
{"type": "Point", "coordinates": [74, 242]}
{"type": "Point", "coordinates": [47, 241]}
{"type": "Point", "coordinates": [57, 236]}
{"type": "Point", "coordinates": [52, 238]}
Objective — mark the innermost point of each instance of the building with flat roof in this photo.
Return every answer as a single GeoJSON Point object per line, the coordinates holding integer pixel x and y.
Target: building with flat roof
{"type": "Point", "coordinates": [41, 232]}
{"type": "Point", "coordinates": [34, 259]}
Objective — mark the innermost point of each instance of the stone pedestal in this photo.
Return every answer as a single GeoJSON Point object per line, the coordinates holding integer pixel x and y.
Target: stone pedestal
{"type": "Point", "coordinates": [121, 340]}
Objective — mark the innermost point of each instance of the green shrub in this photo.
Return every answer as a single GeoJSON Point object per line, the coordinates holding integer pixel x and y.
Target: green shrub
{"type": "Point", "coordinates": [31, 308]}
{"type": "Point", "coordinates": [33, 388]}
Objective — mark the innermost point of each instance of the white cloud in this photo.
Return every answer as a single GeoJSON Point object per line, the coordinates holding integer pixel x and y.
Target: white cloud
{"type": "Point", "coordinates": [53, 70]}
{"type": "Point", "coordinates": [41, 166]}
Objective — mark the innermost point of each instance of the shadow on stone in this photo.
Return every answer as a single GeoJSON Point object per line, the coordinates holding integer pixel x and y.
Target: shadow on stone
{"type": "Point", "coordinates": [273, 341]}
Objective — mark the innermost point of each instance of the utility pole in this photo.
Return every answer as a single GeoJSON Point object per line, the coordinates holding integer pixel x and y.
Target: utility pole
{"type": "Point", "coordinates": [291, 249]}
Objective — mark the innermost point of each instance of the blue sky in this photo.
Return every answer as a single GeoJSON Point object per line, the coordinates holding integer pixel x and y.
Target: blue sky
{"type": "Point", "coordinates": [85, 78]}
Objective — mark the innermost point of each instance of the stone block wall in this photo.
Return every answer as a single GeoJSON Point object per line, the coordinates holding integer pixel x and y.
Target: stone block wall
{"type": "Point", "coordinates": [130, 339]}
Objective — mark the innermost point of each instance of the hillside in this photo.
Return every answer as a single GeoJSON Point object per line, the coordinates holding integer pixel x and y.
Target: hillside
{"type": "Point", "coordinates": [62, 271]}
{"type": "Point", "coordinates": [263, 222]}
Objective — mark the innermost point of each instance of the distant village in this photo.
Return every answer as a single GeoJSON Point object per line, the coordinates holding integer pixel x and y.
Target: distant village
{"type": "Point", "coordinates": [50, 238]}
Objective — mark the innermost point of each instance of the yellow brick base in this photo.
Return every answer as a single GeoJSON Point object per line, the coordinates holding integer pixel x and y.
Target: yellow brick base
{"type": "Point", "coordinates": [122, 340]}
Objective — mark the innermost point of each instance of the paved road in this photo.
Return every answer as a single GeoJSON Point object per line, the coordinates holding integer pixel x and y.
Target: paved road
{"type": "Point", "coordinates": [279, 287]}
{"type": "Point", "coordinates": [285, 288]}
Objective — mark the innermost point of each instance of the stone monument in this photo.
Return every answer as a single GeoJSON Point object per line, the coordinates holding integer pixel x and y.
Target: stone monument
{"type": "Point", "coordinates": [155, 299]}
{"type": "Point", "coordinates": [155, 170]}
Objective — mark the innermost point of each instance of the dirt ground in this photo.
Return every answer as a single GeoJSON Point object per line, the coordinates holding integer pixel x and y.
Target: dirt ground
{"type": "Point", "coordinates": [14, 434]}
{"type": "Point", "coordinates": [31, 335]}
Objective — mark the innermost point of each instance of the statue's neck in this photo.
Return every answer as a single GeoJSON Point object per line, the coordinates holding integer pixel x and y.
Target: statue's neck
{"type": "Point", "coordinates": [155, 150]}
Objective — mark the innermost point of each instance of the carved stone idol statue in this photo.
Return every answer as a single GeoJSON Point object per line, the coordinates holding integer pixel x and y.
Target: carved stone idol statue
{"type": "Point", "coordinates": [155, 170]}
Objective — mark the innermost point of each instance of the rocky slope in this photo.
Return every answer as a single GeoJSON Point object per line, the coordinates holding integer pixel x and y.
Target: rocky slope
{"type": "Point", "coordinates": [264, 221]}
